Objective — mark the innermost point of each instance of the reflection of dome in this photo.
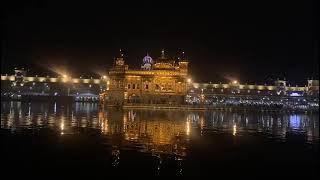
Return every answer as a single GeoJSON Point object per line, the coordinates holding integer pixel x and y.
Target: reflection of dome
{"type": "Point", "coordinates": [147, 60]}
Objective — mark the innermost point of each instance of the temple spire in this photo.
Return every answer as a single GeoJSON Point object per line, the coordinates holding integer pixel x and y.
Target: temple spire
{"type": "Point", "coordinates": [162, 54]}
{"type": "Point", "coordinates": [183, 57]}
{"type": "Point", "coordinates": [119, 60]}
{"type": "Point", "coordinates": [120, 52]}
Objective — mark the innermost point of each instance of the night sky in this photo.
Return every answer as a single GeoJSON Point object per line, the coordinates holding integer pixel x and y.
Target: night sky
{"type": "Point", "coordinates": [255, 42]}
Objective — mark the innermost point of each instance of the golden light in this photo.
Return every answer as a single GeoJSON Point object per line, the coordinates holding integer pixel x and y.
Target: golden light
{"type": "Point", "coordinates": [188, 128]}
{"type": "Point", "coordinates": [62, 126]}
{"type": "Point", "coordinates": [189, 80]}
{"type": "Point", "coordinates": [235, 82]}
{"type": "Point", "coordinates": [102, 126]}
{"type": "Point", "coordinates": [104, 77]}
{"type": "Point", "coordinates": [234, 130]}
{"type": "Point", "coordinates": [64, 76]}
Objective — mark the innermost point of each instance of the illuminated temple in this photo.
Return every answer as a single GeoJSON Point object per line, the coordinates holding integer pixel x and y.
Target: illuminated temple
{"type": "Point", "coordinates": [163, 80]}
{"type": "Point", "coordinates": [166, 81]}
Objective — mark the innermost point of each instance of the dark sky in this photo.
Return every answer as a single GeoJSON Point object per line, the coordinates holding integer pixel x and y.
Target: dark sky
{"type": "Point", "coordinates": [254, 41]}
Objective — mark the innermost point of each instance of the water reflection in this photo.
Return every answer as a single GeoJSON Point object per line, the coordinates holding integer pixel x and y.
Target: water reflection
{"type": "Point", "coordinates": [277, 125]}
{"type": "Point", "coordinates": [234, 130]}
{"type": "Point", "coordinates": [160, 133]}
{"type": "Point", "coordinates": [156, 127]}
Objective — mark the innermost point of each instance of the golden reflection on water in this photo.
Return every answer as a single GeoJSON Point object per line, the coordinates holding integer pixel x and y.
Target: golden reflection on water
{"type": "Point", "coordinates": [188, 127]}
{"type": "Point", "coordinates": [161, 133]}
{"type": "Point", "coordinates": [234, 130]}
{"type": "Point", "coordinates": [62, 126]}
{"type": "Point", "coordinates": [151, 127]}
{"type": "Point", "coordinates": [157, 132]}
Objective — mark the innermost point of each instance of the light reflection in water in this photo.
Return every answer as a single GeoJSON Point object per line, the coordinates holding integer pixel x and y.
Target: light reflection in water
{"type": "Point", "coordinates": [188, 128]}
{"type": "Point", "coordinates": [160, 127]}
{"type": "Point", "coordinates": [158, 132]}
{"type": "Point", "coordinates": [62, 126]}
{"type": "Point", "coordinates": [55, 108]}
{"type": "Point", "coordinates": [115, 155]}
{"type": "Point", "coordinates": [154, 131]}
{"type": "Point", "coordinates": [295, 121]}
{"type": "Point", "coordinates": [234, 130]}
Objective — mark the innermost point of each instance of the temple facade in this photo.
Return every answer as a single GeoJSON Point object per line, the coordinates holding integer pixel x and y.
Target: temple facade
{"type": "Point", "coordinates": [160, 81]}
{"type": "Point", "coordinates": [166, 81]}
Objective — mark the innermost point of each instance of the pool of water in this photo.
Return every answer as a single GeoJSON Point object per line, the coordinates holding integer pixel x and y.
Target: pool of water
{"type": "Point", "coordinates": [83, 139]}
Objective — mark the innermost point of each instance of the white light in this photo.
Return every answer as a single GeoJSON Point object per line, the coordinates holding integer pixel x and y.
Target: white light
{"type": "Point", "coordinates": [295, 94]}
{"type": "Point", "coordinates": [104, 77]}
{"type": "Point", "coordinates": [189, 80]}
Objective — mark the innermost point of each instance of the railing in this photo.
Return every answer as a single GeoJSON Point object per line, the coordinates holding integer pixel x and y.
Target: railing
{"type": "Point", "coordinates": [162, 106]}
{"type": "Point", "coordinates": [54, 80]}
{"type": "Point", "coordinates": [222, 107]}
